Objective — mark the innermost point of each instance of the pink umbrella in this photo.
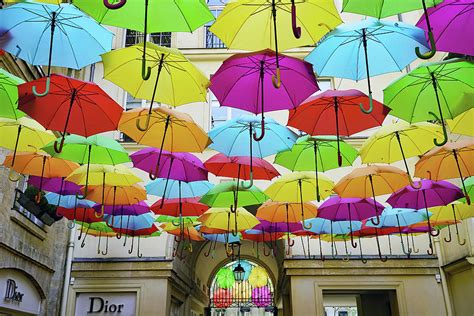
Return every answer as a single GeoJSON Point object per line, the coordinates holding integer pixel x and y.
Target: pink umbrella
{"type": "Point", "coordinates": [56, 185]}
{"type": "Point", "coordinates": [262, 296]}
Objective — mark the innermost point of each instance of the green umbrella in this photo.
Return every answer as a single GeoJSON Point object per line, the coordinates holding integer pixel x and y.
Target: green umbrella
{"type": "Point", "coordinates": [9, 95]}
{"type": "Point", "coordinates": [231, 194]}
{"type": "Point", "coordinates": [170, 219]}
{"type": "Point", "coordinates": [166, 16]}
{"type": "Point", "coordinates": [469, 183]}
{"type": "Point", "coordinates": [439, 91]}
{"type": "Point", "coordinates": [94, 149]}
{"type": "Point", "coordinates": [385, 8]}
{"type": "Point", "coordinates": [315, 153]}
{"type": "Point", "coordinates": [225, 278]}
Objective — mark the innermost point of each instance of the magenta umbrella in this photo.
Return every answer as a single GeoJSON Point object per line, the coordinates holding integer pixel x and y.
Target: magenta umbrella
{"type": "Point", "coordinates": [262, 296]}
{"type": "Point", "coordinates": [431, 193]}
{"type": "Point", "coordinates": [452, 25]}
{"type": "Point", "coordinates": [246, 81]}
{"type": "Point", "coordinates": [349, 209]}
{"type": "Point", "coordinates": [56, 185]}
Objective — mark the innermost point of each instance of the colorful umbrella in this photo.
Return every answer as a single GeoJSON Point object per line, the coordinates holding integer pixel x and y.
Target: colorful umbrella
{"type": "Point", "coordinates": [431, 193]}
{"type": "Point", "coordinates": [258, 277]}
{"type": "Point", "coordinates": [124, 210]}
{"type": "Point", "coordinates": [56, 185]}
{"type": "Point", "coordinates": [448, 25]}
{"type": "Point", "coordinates": [53, 35]}
{"type": "Point", "coordinates": [244, 81]}
{"type": "Point", "coordinates": [220, 218]}
{"type": "Point", "coordinates": [262, 296]}
{"type": "Point", "coordinates": [453, 160]}
{"type": "Point", "coordinates": [313, 153]}
{"type": "Point", "coordinates": [158, 187]}
{"type": "Point", "coordinates": [170, 207]}
{"type": "Point", "coordinates": [367, 48]}
{"type": "Point", "coordinates": [222, 298]}
{"type": "Point", "coordinates": [328, 106]}
{"type": "Point", "coordinates": [177, 81]}
{"type": "Point", "coordinates": [230, 194]}
{"type": "Point", "coordinates": [397, 142]}
{"type": "Point", "coordinates": [452, 213]}
{"type": "Point", "coordinates": [384, 8]}
{"type": "Point", "coordinates": [9, 95]}
{"type": "Point", "coordinates": [71, 106]}
{"type": "Point", "coordinates": [461, 124]}
{"type": "Point", "coordinates": [225, 278]}
{"type": "Point", "coordinates": [23, 134]}
{"type": "Point", "coordinates": [116, 194]}
{"type": "Point", "coordinates": [166, 128]}
{"type": "Point", "coordinates": [67, 201]}
{"type": "Point", "coordinates": [447, 84]}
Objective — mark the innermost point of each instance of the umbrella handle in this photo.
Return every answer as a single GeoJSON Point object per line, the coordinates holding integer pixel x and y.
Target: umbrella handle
{"type": "Point", "coordinates": [450, 236]}
{"type": "Point", "coordinates": [73, 222]}
{"type": "Point", "coordinates": [307, 227]}
{"type": "Point", "coordinates": [38, 197]}
{"type": "Point", "coordinates": [377, 222]}
{"type": "Point", "coordinates": [371, 105]}
{"type": "Point", "coordinates": [139, 254]}
{"type": "Point", "coordinates": [229, 251]}
{"type": "Point", "coordinates": [146, 71]}
{"type": "Point", "coordinates": [276, 79]}
{"type": "Point", "coordinates": [291, 242]}
{"type": "Point", "coordinates": [177, 239]}
{"type": "Point", "coordinates": [296, 29]}
{"type": "Point", "coordinates": [114, 6]}
{"type": "Point", "coordinates": [461, 243]}
{"type": "Point", "coordinates": [147, 123]}
{"type": "Point", "coordinates": [106, 246]}
{"type": "Point", "coordinates": [61, 144]}
{"type": "Point", "coordinates": [264, 252]}
{"type": "Point", "coordinates": [430, 251]}
{"type": "Point", "coordinates": [415, 250]}
{"type": "Point", "coordinates": [435, 232]}
{"type": "Point", "coordinates": [101, 213]}
{"type": "Point", "coordinates": [46, 90]}
{"type": "Point", "coordinates": [432, 52]}
{"type": "Point", "coordinates": [259, 138]}
{"type": "Point", "coordinates": [244, 185]}
{"type": "Point", "coordinates": [11, 176]}
{"type": "Point", "coordinates": [178, 223]}
{"type": "Point", "coordinates": [412, 183]}
{"type": "Point", "coordinates": [86, 189]}
{"type": "Point", "coordinates": [206, 254]}
{"type": "Point", "coordinates": [131, 247]}
{"type": "Point", "coordinates": [445, 133]}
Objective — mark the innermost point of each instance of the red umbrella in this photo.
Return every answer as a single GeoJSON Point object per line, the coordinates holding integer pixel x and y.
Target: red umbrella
{"type": "Point", "coordinates": [86, 215]}
{"type": "Point", "coordinates": [340, 113]}
{"type": "Point", "coordinates": [171, 207]}
{"type": "Point", "coordinates": [72, 106]}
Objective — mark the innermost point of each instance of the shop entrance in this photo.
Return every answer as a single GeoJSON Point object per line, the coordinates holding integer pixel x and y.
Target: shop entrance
{"type": "Point", "coordinates": [360, 302]}
{"type": "Point", "coordinates": [242, 290]}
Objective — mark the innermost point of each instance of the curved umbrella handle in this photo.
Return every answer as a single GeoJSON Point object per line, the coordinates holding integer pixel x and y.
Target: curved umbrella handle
{"type": "Point", "coordinates": [139, 254]}
{"type": "Point", "coordinates": [59, 149]}
{"type": "Point", "coordinates": [412, 183]}
{"type": "Point", "coordinates": [229, 251]}
{"type": "Point", "coordinates": [296, 29]}
{"type": "Point", "coordinates": [276, 79]}
{"type": "Point", "coordinates": [206, 254]}
{"type": "Point", "coordinates": [151, 176]}
{"type": "Point", "coordinates": [371, 105]}
{"type": "Point", "coordinates": [291, 242]}
{"type": "Point", "coordinates": [131, 247]}
{"type": "Point", "coordinates": [12, 178]}
{"type": "Point", "coordinates": [73, 224]}
{"type": "Point", "coordinates": [147, 123]}
{"type": "Point", "coordinates": [435, 232]}
{"type": "Point", "coordinates": [461, 243]}
{"type": "Point", "coordinates": [146, 71]}
{"type": "Point", "coordinates": [86, 189]}
{"type": "Point", "coordinates": [432, 52]}
{"type": "Point", "coordinates": [307, 227]}
{"type": "Point", "coordinates": [244, 185]}
{"type": "Point", "coordinates": [431, 250]}
{"type": "Point", "coordinates": [101, 213]}
{"type": "Point", "coordinates": [450, 238]}
{"type": "Point", "coordinates": [106, 246]}
{"type": "Point", "coordinates": [178, 223]}
{"type": "Point", "coordinates": [114, 6]}
{"type": "Point", "coordinates": [265, 253]}
{"type": "Point", "coordinates": [445, 133]}
{"type": "Point", "coordinates": [353, 243]}
{"type": "Point", "coordinates": [177, 239]}
{"type": "Point", "coordinates": [46, 90]}
{"type": "Point", "coordinates": [377, 221]}
{"type": "Point", "coordinates": [259, 138]}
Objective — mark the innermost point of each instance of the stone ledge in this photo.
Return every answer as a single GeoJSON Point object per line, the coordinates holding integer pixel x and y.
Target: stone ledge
{"type": "Point", "coordinates": [25, 223]}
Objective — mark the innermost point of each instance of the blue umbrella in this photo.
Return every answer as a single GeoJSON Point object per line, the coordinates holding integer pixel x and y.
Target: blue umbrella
{"type": "Point", "coordinates": [159, 187]}
{"type": "Point", "coordinates": [67, 201]}
{"type": "Point", "coordinates": [234, 138]}
{"type": "Point", "coordinates": [222, 238]}
{"type": "Point", "coordinates": [326, 226]}
{"type": "Point", "coordinates": [138, 222]}
{"type": "Point", "coordinates": [367, 48]}
{"type": "Point", "coordinates": [52, 35]}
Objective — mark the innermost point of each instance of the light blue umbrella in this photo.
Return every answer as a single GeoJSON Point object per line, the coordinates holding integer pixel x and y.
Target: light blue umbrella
{"type": "Point", "coordinates": [400, 217]}
{"type": "Point", "coordinates": [222, 238]}
{"type": "Point", "coordinates": [170, 189]}
{"type": "Point", "coordinates": [67, 201]}
{"type": "Point", "coordinates": [234, 138]}
{"type": "Point", "coordinates": [326, 226]}
{"type": "Point", "coordinates": [53, 35]}
{"type": "Point", "coordinates": [130, 222]}
{"type": "Point", "coordinates": [368, 48]}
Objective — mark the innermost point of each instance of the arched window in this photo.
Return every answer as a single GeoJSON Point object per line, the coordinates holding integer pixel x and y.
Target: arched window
{"type": "Point", "coordinates": [231, 297]}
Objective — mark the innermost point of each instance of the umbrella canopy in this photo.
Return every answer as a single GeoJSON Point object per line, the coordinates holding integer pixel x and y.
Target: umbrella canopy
{"type": "Point", "coordinates": [222, 298]}
{"type": "Point", "coordinates": [124, 210]}
{"type": "Point", "coordinates": [9, 95]}
{"type": "Point", "coordinates": [222, 238]}
{"type": "Point", "coordinates": [68, 201]}
{"type": "Point", "coordinates": [221, 218]}
{"type": "Point", "coordinates": [71, 106]}
{"type": "Point", "coordinates": [326, 226]}
{"type": "Point", "coordinates": [453, 160]}
{"type": "Point", "coordinates": [225, 278]}
{"type": "Point", "coordinates": [453, 212]}
{"type": "Point", "coordinates": [85, 215]}
{"type": "Point", "coordinates": [165, 164]}
{"type": "Point", "coordinates": [167, 129]}
{"type": "Point", "coordinates": [450, 23]}
{"type": "Point", "coordinates": [400, 217]}
{"type": "Point", "coordinates": [104, 175]}
{"type": "Point", "coordinates": [116, 194]}
{"type": "Point", "coordinates": [41, 165]}
{"type": "Point", "coordinates": [257, 70]}
{"type": "Point", "coordinates": [171, 189]}
{"type": "Point", "coordinates": [461, 124]}
{"type": "Point", "coordinates": [133, 223]}
{"type": "Point", "coordinates": [332, 109]}
{"type": "Point", "coordinates": [262, 296]}
{"type": "Point", "coordinates": [171, 207]}
{"type": "Point", "coordinates": [367, 48]}
{"type": "Point", "coordinates": [275, 227]}
{"type": "Point", "coordinates": [440, 90]}
{"type": "Point", "coordinates": [258, 277]}
{"type": "Point", "coordinates": [230, 193]}
{"type": "Point", "coordinates": [56, 185]}
{"type": "Point", "coordinates": [384, 8]}
{"type": "Point", "coordinates": [277, 212]}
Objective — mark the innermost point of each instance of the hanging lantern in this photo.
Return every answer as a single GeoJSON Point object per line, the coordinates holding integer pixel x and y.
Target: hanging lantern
{"type": "Point", "coordinates": [239, 273]}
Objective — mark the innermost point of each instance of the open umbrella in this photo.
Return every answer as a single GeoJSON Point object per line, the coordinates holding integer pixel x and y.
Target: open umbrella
{"type": "Point", "coordinates": [258, 277]}
{"type": "Point", "coordinates": [262, 296]}
{"type": "Point", "coordinates": [170, 207]}
{"type": "Point", "coordinates": [244, 81]}
{"type": "Point", "coordinates": [167, 129]}
{"type": "Point", "coordinates": [193, 189]}
{"type": "Point", "coordinates": [367, 48]}
{"type": "Point", "coordinates": [449, 85]}
{"type": "Point", "coordinates": [225, 278]}
{"type": "Point", "coordinates": [177, 81]}
{"type": "Point", "coordinates": [453, 212]}
{"type": "Point", "coordinates": [9, 95]}
{"type": "Point", "coordinates": [448, 25]}
{"type": "Point", "coordinates": [431, 193]}
{"type": "Point", "coordinates": [52, 35]}
{"type": "Point", "coordinates": [327, 114]}
{"type": "Point", "coordinates": [229, 194]}
{"type": "Point", "coordinates": [453, 160]}
{"type": "Point", "coordinates": [371, 181]}
{"type": "Point", "coordinates": [397, 142]}
{"type": "Point", "coordinates": [316, 154]}
{"type": "Point", "coordinates": [56, 185]}
{"type": "Point", "coordinates": [384, 8]}
{"type": "Point", "coordinates": [23, 134]}
{"type": "Point", "coordinates": [116, 194]}
{"type": "Point", "coordinates": [221, 218]}
{"type": "Point", "coordinates": [461, 124]}
{"type": "Point", "coordinates": [71, 106]}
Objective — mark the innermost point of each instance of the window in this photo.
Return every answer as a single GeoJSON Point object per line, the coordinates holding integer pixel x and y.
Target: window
{"type": "Point", "coordinates": [216, 7]}
{"type": "Point", "coordinates": [134, 37]}
{"type": "Point", "coordinates": [221, 114]}
{"type": "Point", "coordinates": [21, 185]}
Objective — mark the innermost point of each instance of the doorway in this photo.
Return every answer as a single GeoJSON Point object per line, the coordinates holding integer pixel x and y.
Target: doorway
{"type": "Point", "coordinates": [360, 302]}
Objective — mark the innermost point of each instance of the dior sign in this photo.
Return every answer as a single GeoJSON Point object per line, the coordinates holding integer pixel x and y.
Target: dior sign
{"type": "Point", "coordinates": [107, 304]}
{"type": "Point", "coordinates": [11, 293]}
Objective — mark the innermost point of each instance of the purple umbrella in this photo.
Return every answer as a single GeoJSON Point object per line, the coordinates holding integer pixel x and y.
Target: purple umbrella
{"type": "Point", "coordinates": [261, 296]}
{"type": "Point", "coordinates": [56, 185]}
{"type": "Point", "coordinates": [431, 193]}
{"type": "Point", "coordinates": [449, 26]}
{"type": "Point", "coordinates": [349, 209]}
{"type": "Point", "coordinates": [280, 227]}
{"type": "Point", "coordinates": [247, 81]}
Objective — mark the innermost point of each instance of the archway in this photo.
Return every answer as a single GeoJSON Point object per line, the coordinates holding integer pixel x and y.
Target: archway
{"type": "Point", "coordinates": [254, 294]}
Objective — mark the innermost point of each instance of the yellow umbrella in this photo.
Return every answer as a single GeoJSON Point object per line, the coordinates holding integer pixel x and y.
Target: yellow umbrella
{"type": "Point", "coordinates": [169, 130]}
{"type": "Point", "coordinates": [220, 218]}
{"type": "Point", "coordinates": [452, 213]}
{"type": "Point", "coordinates": [176, 80]}
{"type": "Point", "coordinates": [24, 135]}
{"type": "Point", "coordinates": [462, 124]}
{"type": "Point", "coordinates": [399, 141]}
{"type": "Point", "coordinates": [258, 277]}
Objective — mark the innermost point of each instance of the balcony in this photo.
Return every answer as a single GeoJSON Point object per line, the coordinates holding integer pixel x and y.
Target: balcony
{"type": "Point", "coordinates": [213, 41]}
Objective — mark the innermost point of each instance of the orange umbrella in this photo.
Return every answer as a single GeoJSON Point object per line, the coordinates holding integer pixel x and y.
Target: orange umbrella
{"type": "Point", "coordinates": [453, 160]}
{"type": "Point", "coordinates": [117, 195]}
{"type": "Point", "coordinates": [371, 181]}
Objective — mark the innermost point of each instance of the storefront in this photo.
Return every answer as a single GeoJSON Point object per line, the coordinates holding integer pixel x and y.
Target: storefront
{"type": "Point", "coordinates": [21, 296]}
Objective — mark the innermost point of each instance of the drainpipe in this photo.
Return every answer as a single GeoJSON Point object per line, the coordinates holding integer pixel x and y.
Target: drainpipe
{"type": "Point", "coordinates": [67, 272]}
{"type": "Point", "coordinates": [444, 283]}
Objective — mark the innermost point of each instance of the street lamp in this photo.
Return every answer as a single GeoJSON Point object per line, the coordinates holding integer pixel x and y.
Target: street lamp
{"type": "Point", "coordinates": [239, 273]}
